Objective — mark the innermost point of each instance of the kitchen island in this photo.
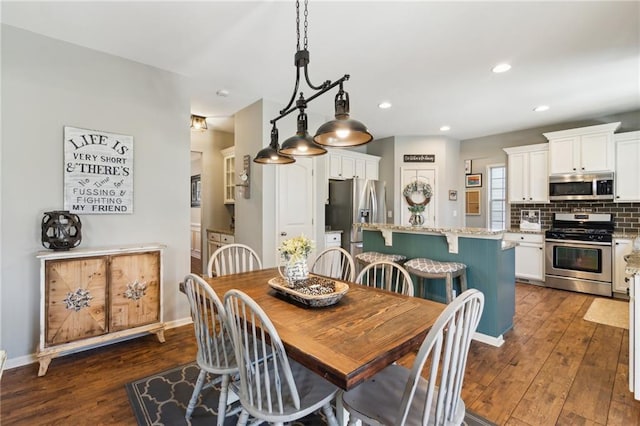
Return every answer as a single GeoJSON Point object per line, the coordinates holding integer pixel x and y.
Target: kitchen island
{"type": "Point", "coordinates": [490, 266]}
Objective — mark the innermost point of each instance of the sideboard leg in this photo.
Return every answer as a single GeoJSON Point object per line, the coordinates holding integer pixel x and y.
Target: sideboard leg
{"type": "Point", "coordinates": [160, 335]}
{"type": "Point", "coordinates": [44, 365]}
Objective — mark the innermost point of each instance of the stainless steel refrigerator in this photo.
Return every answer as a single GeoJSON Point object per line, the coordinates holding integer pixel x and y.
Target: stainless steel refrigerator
{"type": "Point", "coordinates": [355, 201]}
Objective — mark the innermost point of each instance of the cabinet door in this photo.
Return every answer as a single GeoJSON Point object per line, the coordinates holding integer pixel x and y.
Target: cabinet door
{"type": "Point", "coordinates": [229, 179]}
{"type": "Point", "coordinates": [348, 167]}
{"type": "Point", "coordinates": [621, 247]}
{"type": "Point", "coordinates": [595, 153]}
{"type": "Point", "coordinates": [530, 261]}
{"type": "Point", "coordinates": [538, 176]}
{"type": "Point", "coordinates": [335, 166]}
{"type": "Point", "coordinates": [516, 177]}
{"type": "Point", "coordinates": [360, 169]}
{"type": "Point", "coordinates": [134, 290]}
{"type": "Point", "coordinates": [75, 297]}
{"type": "Point", "coordinates": [627, 170]}
{"type": "Point", "coordinates": [372, 169]}
{"type": "Point", "coordinates": [563, 157]}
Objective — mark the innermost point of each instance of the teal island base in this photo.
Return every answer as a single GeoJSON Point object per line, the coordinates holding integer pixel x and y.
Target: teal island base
{"type": "Point", "coordinates": [490, 268]}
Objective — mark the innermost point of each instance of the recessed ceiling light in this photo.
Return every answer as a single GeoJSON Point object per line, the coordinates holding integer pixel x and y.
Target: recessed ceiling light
{"type": "Point", "coordinates": [445, 128]}
{"type": "Point", "coordinates": [222, 93]}
{"type": "Point", "coordinates": [384, 105]}
{"type": "Point", "coordinates": [541, 108]}
{"type": "Point", "coordinates": [501, 68]}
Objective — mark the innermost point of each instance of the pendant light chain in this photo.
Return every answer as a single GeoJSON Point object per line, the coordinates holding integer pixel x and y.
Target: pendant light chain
{"type": "Point", "coordinates": [306, 24]}
{"type": "Point", "coordinates": [298, 25]}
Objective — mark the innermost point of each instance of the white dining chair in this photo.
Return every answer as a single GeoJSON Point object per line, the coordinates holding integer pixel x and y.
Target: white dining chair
{"type": "Point", "coordinates": [215, 348]}
{"type": "Point", "coordinates": [399, 396]}
{"type": "Point", "coordinates": [386, 275]}
{"type": "Point", "coordinates": [233, 259]}
{"type": "Point", "coordinates": [334, 262]}
{"type": "Point", "coordinates": [273, 388]}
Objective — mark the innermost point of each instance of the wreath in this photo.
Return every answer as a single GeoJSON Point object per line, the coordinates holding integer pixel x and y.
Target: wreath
{"type": "Point", "coordinates": [420, 187]}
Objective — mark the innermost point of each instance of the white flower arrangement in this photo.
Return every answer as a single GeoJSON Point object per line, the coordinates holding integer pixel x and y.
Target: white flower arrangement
{"type": "Point", "coordinates": [296, 249]}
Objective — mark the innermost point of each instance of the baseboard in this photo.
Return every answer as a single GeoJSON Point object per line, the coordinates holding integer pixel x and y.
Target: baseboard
{"type": "Point", "coordinates": [489, 340]}
{"type": "Point", "coordinates": [31, 358]}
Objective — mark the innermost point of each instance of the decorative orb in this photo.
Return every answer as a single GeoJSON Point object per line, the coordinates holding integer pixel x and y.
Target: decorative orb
{"type": "Point", "coordinates": [61, 230]}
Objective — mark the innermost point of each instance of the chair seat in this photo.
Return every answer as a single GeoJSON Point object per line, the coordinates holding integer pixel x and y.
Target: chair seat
{"type": "Point", "coordinates": [313, 390]}
{"type": "Point", "coordinates": [431, 266]}
{"type": "Point", "coordinates": [374, 256]}
{"type": "Point", "coordinates": [380, 398]}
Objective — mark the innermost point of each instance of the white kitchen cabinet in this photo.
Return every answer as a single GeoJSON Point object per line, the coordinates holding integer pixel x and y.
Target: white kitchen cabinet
{"type": "Point", "coordinates": [529, 255]}
{"type": "Point", "coordinates": [627, 174]}
{"type": "Point", "coordinates": [229, 175]}
{"type": "Point", "coordinates": [349, 164]}
{"type": "Point", "coordinates": [332, 239]}
{"type": "Point", "coordinates": [621, 248]}
{"type": "Point", "coordinates": [215, 240]}
{"type": "Point", "coordinates": [527, 177]}
{"type": "Point", "coordinates": [582, 150]}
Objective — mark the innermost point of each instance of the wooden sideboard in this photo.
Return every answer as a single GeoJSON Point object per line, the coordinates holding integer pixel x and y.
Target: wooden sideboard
{"type": "Point", "coordinates": [89, 297]}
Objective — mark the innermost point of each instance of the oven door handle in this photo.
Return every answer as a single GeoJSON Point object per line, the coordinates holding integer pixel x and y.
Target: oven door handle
{"type": "Point", "coordinates": [578, 243]}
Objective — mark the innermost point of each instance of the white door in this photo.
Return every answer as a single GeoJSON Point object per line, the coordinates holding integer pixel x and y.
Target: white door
{"type": "Point", "coordinates": [408, 175]}
{"type": "Point", "coordinates": [295, 195]}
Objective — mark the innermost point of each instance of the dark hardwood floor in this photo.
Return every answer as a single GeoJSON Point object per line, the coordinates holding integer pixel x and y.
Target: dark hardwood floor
{"type": "Point", "coordinates": [554, 368]}
{"type": "Point", "coordinates": [196, 265]}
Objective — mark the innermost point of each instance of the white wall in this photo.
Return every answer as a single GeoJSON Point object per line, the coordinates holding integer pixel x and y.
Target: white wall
{"type": "Point", "coordinates": [47, 84]}
{"type": "Point", "coordinates": [448, 174]}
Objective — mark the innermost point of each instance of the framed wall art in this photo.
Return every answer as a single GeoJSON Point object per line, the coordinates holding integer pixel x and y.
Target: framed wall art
{"type": "Point", "coordinates": [472, 202]}
{"type": "Point", "coordinates": [453, 195]}
{"type": "Point", "coordinates": [195, 191]}
{"type": "Point", "coordinates": [98, 172]}
{"type": "Point", "coordinates": [473, 181]}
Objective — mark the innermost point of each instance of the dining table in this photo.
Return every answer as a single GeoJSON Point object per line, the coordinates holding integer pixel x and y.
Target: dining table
{"type": "Point", "coordinates": [348, 342]}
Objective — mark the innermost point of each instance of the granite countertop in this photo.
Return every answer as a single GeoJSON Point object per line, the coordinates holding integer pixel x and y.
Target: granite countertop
{"type": "Point", "coordinates": [624, 235]}
{"type": "Point", "coordinates": [464, 232]}
{"type": "Point", "coordinates": [633, 263]}
{"type": "Point", "coordinates": [333, 231]}
{"type": "Point", "coordinates": [221, 231]}
{"type": "Point", "coordinates": [526, 231]}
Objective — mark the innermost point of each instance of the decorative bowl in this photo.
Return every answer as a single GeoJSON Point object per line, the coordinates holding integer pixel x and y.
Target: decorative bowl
{"type": "Point", "coordinates": [313, 294]}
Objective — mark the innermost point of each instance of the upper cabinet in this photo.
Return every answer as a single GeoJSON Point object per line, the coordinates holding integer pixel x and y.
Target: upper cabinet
{"type": "Point", "coordinates": [627, 178]}
{"type": "Point", "coordinates": [229, 175]}
{"type": "Point", "coordinates": [349, 164]}
{"type": "Point", "coordinates": [527, 177]}
{"type": "Point", "coordinates": [582, 150]}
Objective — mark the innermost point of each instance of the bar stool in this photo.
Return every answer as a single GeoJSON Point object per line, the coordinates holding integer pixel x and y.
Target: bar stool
{"type": "Point", "coordinates": [368, 257]}
{"type": "Point", "coordinates": [431, 269]}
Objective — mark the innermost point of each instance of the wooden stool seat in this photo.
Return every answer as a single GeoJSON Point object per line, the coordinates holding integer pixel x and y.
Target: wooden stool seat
{"type": "Point", "coordinates": [431, 269]}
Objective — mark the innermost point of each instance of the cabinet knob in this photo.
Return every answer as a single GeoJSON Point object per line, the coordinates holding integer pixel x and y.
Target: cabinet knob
{"type": "Point", "coordinates": [617, 196]}
{"type": "Point", "coordinates": [574, 168]}
{"type": "Point", "coordinates": [283, 234]}
{"type": "Point", "coordinates": [626, 279]}
{"type": "Point", "coordinates": [531, 198]}
{"type": "Point", "coordinates": [524, 199]}
{"type": "Point", "coordinates": [583, 168]}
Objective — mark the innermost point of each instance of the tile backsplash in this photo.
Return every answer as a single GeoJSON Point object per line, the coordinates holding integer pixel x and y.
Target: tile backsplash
{"type": "Point", "coordinates": [625, 215]}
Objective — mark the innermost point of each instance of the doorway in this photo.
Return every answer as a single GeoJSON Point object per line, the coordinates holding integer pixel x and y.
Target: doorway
{"type": "Point", "coordinates": [196, 212]}
{"type": "Point", "coordinates": [424, 175]}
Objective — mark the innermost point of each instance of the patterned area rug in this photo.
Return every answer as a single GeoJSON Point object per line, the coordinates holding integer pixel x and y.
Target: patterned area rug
{"type": "Point", "coordinates": [609, 312]}
{"type": "Point", "coordinates": [161, 399]}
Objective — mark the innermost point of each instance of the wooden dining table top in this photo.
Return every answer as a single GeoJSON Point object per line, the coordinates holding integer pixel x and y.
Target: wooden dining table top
{"type": "Point", "coordinates": [346, 343]}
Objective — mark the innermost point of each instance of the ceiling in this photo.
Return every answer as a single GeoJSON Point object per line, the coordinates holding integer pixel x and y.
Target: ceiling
{"type": "Point", "coordinates": [431, 60]}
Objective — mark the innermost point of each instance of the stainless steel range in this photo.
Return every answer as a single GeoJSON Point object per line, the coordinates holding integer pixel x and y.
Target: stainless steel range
{"type": "Point", "coordinates": [578, 253]}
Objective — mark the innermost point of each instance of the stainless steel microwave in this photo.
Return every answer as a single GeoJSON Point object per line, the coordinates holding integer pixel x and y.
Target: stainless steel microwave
{"type": "Point", "coordinates": [597, 186]}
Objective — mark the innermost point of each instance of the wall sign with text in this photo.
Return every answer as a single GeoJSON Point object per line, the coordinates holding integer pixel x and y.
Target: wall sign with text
{"type": "Point", "coordinates": [419, 158]}
{"type": "Point", "coordinates": [98, 172]}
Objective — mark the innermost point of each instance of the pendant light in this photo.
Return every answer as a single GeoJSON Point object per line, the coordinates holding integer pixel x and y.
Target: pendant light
{"type": "Point", "coordinates": [341, 132]}
{"type": "Point", "coordinates": [270, 154]}
{"type": "Point", "coordinates": [302, 143]}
